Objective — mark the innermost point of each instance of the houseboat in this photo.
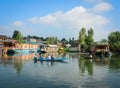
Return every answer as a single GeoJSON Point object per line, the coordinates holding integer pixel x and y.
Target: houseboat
{"type": "Point", "coordinates": [75, 48]}
{"type": "Point", "coordinates": [51, 48]}
{"type": "Point", "coordinates": [102, 48]}
{"type": "Point", "coordinates": [2, 39]}
{"type": "Point", "coordinates": [1, 48]}
{"type": "Point", "coordinates": [12, 46]}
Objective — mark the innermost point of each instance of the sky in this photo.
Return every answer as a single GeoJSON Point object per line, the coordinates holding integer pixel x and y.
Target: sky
{"type": "Point", "coordinates": [59, 18]}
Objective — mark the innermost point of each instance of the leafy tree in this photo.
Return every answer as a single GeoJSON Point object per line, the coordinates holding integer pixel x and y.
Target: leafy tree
{"type": "Point", "coordinates": [114, 40]}
{"type": "Point", "coordinates": [81, 39]}
{"type": "Point", "coordinates": [63, 40]}
{"type": "Point", "coordinates": [89, 39]}
{"type": "Point", "coordinates": [90, 32]}
{"type": "Point", "coordinates": [82, 35]}
{"type": "Point", "coordinates": [86, 40]}
{"type": "Point", "coordinates": [51, 40]}
{"type": "Point", "coordinates": [104, 41]}
{"type": "Point", "coordinates": [17, 36]}
{"type": "Point", "coordinates": [70, 41]}
{"type": "Point", "coordinates": [29, 36]}
{"type": "Point", "coordinates": [42, 38]}
{"type": "Point", "coordinates": [36, 37]}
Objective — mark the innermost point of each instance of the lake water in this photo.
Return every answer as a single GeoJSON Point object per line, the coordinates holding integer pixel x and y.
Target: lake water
{"type": "Point", "coordinates": [20, 71]}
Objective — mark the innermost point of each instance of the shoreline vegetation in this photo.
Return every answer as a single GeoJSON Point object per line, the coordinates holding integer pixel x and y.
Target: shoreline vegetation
{"type": "Point", "coordinates": [83, 44]}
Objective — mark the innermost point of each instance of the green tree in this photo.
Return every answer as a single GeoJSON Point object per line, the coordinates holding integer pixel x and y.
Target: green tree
{"type": "Point", "coordinates": [90, 32]}
{"type": "Point", "coordinates": [42, 38]}
{"type": "Point", "coordinates": [70, 41]}
{"type": "Point", "coordinates": [89, 39]}
{"type": "Point", "coordinates": [51, 40]}
{"type": "Point", "coordinates": [81, 38]}
{"type": "Point", "coordinates": [17, 36]}
{"type": "Point", "coordinates": [82, 35]}
{"type": "Point", "coordinates": [86, 40]}
{"type": "Point", "coordinates": [36, 37]}
{"type": "Point", "coordinates": [63, 40]}
{"type": "Point", "coordinates": [114, 40]}
{"type": "Point", "coordinates": [104, 41]}
{"type": "Point", "coordinates": [29, 36]}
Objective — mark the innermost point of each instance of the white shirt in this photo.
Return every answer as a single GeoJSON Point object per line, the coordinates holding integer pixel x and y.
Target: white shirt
{"type": "Point", "coordinates": [49, 57]}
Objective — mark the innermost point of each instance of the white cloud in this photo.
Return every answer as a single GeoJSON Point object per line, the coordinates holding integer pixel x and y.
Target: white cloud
{"type": "Point", "coordinates": [102, 7]}
{"type": "Point", "coordinates": [18, 24]}
{"type": "Point", "coordinates": [50, 19]}
{"type": "Point", "coordinates": [74, 19]}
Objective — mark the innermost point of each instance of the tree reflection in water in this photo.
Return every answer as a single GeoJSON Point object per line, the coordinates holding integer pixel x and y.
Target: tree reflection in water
{"type": "Point", "coordinates": [114, 64]}
{"type": "Point", "coordinates": [18, 65]}
{"type": "Point", "coordinates": [85, 65]}
{"type": "Point", "coordinates": [16, 60]}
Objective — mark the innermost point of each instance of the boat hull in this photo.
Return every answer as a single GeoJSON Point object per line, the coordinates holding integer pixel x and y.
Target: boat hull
{"type": "Point", "coordinates": [20, 51]}
{"type": "Point", "coordinates": [55, 59]}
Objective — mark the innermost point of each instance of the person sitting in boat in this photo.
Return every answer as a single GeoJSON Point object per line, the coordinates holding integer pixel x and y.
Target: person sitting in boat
{"type": "Point", "coordinates": [49, 57]}
{"type": "Point", "coordinates": [41, 56]}
{"type": "Point", "coordinates": [52, 58]}
{"type": "Point", "coordinates": [35, 57]}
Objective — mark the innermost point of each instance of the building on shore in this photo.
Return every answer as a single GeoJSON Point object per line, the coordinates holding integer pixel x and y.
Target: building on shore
{"type": "Point", "coordinates": [100, 48]}
{"type": "Point", "coordinates": [75, 47]}
{"type": "Point", "coordinates": [51, 48]}
{"type": "Point", "coordinates": [1, 48]}
{"type": "Point", "coordinates": [2, 39]}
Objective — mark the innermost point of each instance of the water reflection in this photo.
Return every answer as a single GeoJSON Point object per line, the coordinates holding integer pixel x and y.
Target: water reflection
{"type": "Point", "coordinates": [114, 64]}
{"type": "Point", "coordinates": [98, 73]}
{"type": "Point", "coordinates": [16, 60]}
{"type": "Point", "coordinates": [85, 65]}
{"type": "Point", "coordinates": [78, 72]}
{"type": "Point", "coordinates": [23, 56]}
{"type": "Point", "coordinates": [18, 65]}
{"type": "Point", "coordinates": [102, 62]}
{"type": "Point", "coordinates": [73, 55]}
{"type": "Point", "coordinates": [49, 63]}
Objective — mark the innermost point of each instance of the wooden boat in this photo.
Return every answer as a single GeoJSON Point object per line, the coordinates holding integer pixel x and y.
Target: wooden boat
{"type": "Point", "coordinates": [55, 59]}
